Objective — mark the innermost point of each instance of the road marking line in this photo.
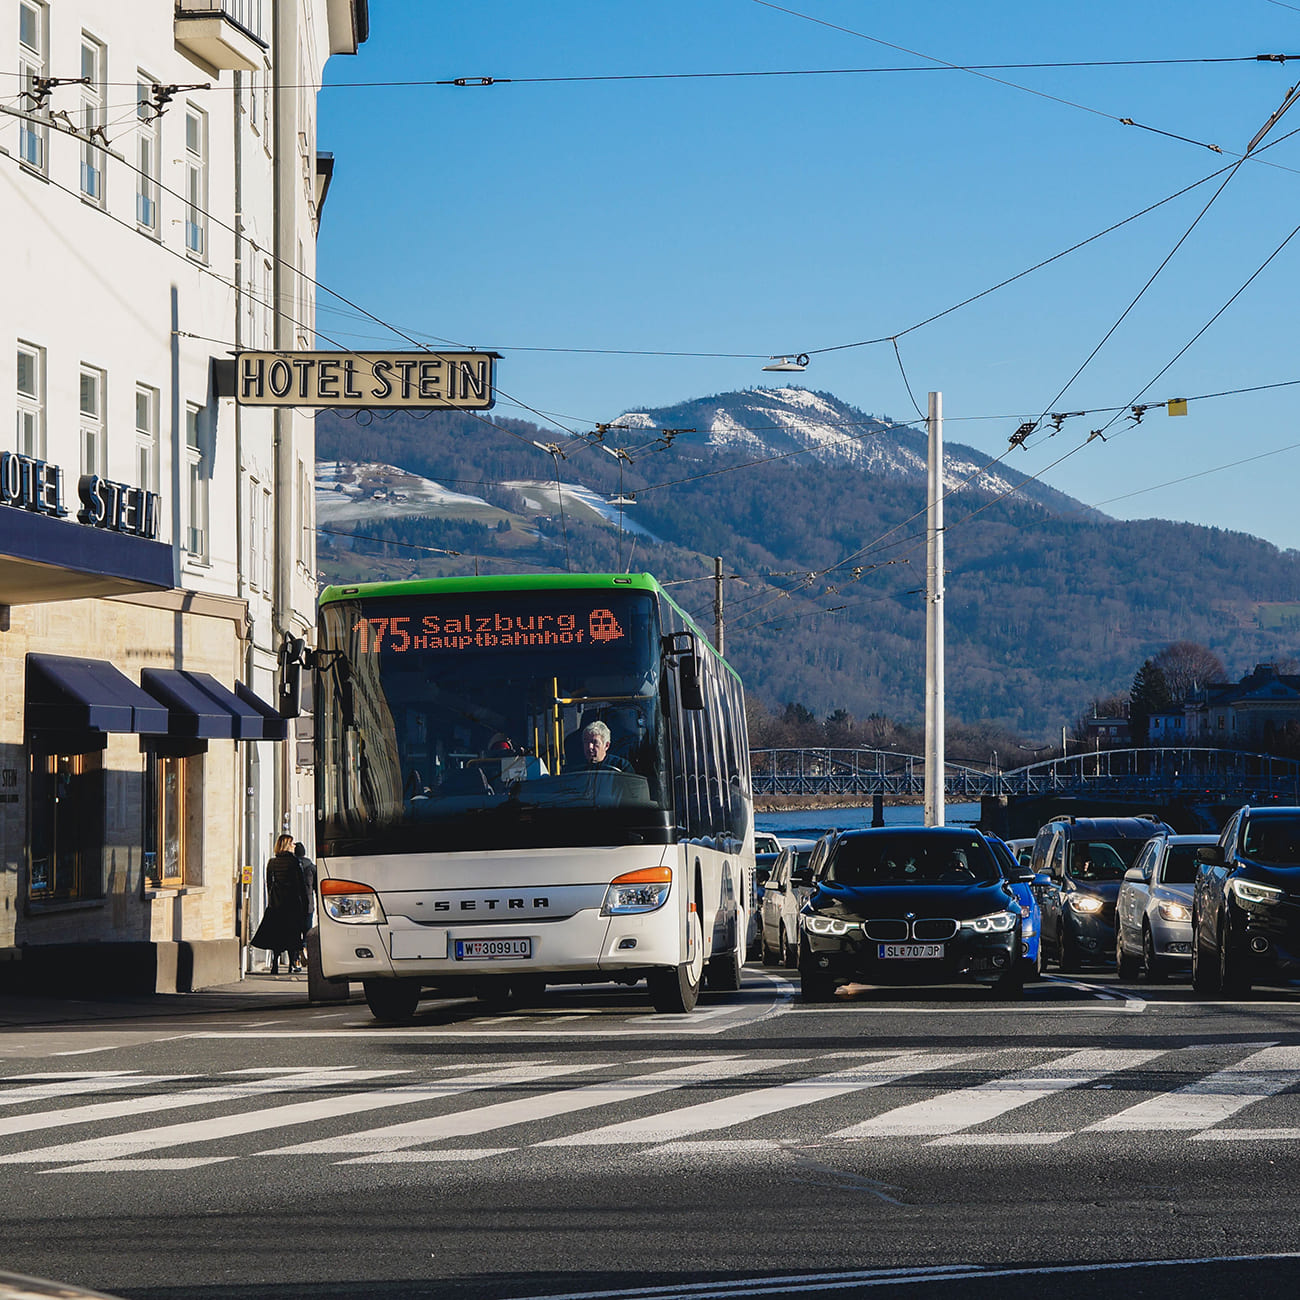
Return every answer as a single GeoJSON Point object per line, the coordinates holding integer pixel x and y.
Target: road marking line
{"type": "Point", "coordinates": [726, 1112]}
{"type": "Point", "coordinates": [1247, 1135]}
{"type": "Point", "coordinates": [524, 1110]}
{"type": "Point", "coordinates": [149, 1106]}
{"type": "Point", "coordinates": [967, 1107]}
{"type": "Point", "coordinates": [1216, 1097]}
{"type": "Point", "coordinates": [1000, 1139]}
{"type": "Point", "coordinates": [94, 1151]}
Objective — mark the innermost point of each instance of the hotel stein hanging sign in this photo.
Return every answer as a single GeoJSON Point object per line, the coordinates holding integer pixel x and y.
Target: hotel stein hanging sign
{"type": "Point", "coordinates": [448, 381]}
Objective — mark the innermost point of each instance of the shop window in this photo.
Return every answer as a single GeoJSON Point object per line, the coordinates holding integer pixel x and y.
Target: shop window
{"type": "Point", "coordinates": [173, 817]}
{"type": "Point", "coordinates": [67, 827]}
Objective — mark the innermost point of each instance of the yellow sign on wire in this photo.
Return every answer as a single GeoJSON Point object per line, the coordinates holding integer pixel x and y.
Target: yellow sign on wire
{"type": "Point", "coordinates": [1178, 406]}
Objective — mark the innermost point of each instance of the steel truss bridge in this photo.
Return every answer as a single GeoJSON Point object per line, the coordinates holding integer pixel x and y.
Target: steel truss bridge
{"type": "Point", "coordinates": [1119, 774]}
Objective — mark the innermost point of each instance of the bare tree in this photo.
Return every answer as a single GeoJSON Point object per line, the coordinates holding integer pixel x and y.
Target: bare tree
{"type": "Point", "coordinates": [1187, 665]}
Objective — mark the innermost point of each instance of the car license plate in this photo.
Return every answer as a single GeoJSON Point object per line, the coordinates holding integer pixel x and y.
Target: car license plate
{"type": "Point", "coordinates": [910, 951]}
{"type": "Point", "coordinates": [492, 949]}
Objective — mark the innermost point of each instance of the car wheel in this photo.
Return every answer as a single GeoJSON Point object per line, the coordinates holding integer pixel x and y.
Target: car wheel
{"type": "Point", "coordinates": [726, 971]}
{"type": "Point", "coordinates": [1234, 982]}
{"type": "Point", "coordinates": [770, 954]}
{"type": "Point", "coordinates": [1205, 971]}
{"type": "Point", "coordinates": [789, 956]}
{"type": "Point", "coordinates": [1067, 952]}
{"type": "Point", "coordinates": [1153, 968]}
{"type": "Point", "coordinates": [814, 985]}
{"type": "Point", "coordinates": [392, 1001]}
{"type": "Point", "coordinates": [1126, 963]}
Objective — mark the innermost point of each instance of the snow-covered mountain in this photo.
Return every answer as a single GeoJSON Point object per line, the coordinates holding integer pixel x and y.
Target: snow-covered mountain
{"type": "Point", "coordinates": [776, 421]}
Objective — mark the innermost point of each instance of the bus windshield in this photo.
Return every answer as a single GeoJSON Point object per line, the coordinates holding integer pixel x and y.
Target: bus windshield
{"type": "Point", "coordinates": [508, 719]}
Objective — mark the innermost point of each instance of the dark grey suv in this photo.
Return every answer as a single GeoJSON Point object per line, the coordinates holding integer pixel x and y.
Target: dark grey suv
{"type": "Point", "coordinates": [1079, 864]}
{"type": "Point", "coordinates": [1246, 904]}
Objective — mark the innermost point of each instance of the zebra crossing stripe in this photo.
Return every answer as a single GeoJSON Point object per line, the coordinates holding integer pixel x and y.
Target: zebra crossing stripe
{"type": "Point", "coordinates": [78, 1085]}
{"type": "Point", "coordinates": [111, 1146]}
{"type": "Point", "coordinates": [1206, 1102]}
{"type": "Point", "coordinates": [967, 1107]}
{"type": "Point", "coordinates": [281, 1082]}
{"type": "Point", "coordinates": [726, 1112]}
{"type": "Point", "coordinates": [379, 1144]}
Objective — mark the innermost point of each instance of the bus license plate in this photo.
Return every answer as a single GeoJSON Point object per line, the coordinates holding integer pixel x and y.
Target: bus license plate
{"type": "Point", "coordinates": [911, 951]}
{"type": "Point", "coordinates": [492, 949]}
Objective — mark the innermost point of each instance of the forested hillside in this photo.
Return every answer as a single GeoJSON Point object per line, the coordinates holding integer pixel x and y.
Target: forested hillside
{"type": "Point", "coordinates": [1049, 605]}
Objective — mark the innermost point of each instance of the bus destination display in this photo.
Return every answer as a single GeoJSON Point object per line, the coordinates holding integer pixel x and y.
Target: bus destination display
{"type": "Point", "coordinates": [497, 630]}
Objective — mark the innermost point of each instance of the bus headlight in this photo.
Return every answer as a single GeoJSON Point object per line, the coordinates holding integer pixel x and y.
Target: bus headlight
{"type": "Point", "coordinates": [638, 891]}
{"type": "Point", "coordinates": [351, 903]}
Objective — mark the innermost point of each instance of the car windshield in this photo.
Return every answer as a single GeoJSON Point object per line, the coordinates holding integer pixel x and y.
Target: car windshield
{"type": "Point", "coordinates": [1102, 859]}
{"type": "Point", "coordinates": [1274, 840]}
{"type": "Point", "coordinates": [905, 859]}
{"type": "Point", "coordinates": [1180, 865]}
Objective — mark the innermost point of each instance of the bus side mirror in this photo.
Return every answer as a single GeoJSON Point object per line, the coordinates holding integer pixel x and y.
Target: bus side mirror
{"type": "Point", "coordinates": [688, 682]}
{"type": "Point", "coordinates": [291, 655]}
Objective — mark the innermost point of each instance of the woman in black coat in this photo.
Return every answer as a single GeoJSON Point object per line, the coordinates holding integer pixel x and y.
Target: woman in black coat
{"type": "Point", "coordinates": [284, 923]}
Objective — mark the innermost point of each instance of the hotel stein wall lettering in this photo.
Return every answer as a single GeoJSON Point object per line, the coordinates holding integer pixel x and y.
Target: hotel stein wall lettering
{"type": "Point", "coordinates": [28, 483]}
{"type": "Point", "coordinates": [449, 381]}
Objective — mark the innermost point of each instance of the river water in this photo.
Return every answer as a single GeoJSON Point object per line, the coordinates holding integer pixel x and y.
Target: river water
{"type": "Point", "coordinates": [813, 821]}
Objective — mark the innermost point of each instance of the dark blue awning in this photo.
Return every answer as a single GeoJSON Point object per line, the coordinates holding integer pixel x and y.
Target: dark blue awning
{"type": "Point", "coordinates": [274, 727]}
{"type": "Point", "coordinates": [199, 706]}
{"type": "Point", "coordinates": [69, 694]}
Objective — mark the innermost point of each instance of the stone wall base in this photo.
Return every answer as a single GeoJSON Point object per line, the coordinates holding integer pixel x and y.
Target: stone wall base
{"type": "Point", "coordinates": [89, 969]}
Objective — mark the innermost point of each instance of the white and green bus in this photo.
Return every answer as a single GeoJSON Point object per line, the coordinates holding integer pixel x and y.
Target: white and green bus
{"type": "Point", "coordinates": [523, 781]}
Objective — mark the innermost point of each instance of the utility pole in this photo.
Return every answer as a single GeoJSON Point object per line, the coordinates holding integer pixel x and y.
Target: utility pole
{"type": "Point", "coordinates": [934, 720]}
{"type": "Point", "coordinates": [717, 603]}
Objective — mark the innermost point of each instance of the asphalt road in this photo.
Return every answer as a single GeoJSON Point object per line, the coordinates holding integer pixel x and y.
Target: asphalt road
{"type": "Point", "coordinates": [934, 1143]}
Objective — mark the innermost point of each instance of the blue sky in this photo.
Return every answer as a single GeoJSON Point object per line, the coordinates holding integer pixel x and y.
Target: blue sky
{"type": "Point", "coordinates": [564, 223]}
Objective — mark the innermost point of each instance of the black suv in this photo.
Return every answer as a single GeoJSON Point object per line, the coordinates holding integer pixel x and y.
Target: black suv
{"type": "Point", "coordinates": [1078, 865]}
{"type": "Point", "coordinates": [1246, 904]}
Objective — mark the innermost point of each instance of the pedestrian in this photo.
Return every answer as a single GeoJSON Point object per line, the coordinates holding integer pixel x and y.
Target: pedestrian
{"type": "Point", "coordinates": [285, 920]}
{"type": "Point", "coordinates": [308, 869]}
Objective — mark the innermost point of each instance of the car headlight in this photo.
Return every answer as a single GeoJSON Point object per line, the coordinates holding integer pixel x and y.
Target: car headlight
{"type": "Point", "coordinates": [638, 891]}
{"type": "Point", "coordinates": [993, 923]}
{"type": "Point", "coordinates": [1250, 892]}
{"type": "Point", "coordinates": [1171, 911]}
{"type": "Point", "coordinates": [817, 924]}
{"type": "Point", "coordinates": [1086, 904]}
{"type": "Point", "coordinates": [351, 903]}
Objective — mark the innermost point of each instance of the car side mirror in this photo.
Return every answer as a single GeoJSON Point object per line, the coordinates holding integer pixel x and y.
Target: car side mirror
{"type": "Point", "coordinates": [1211, 854]}
{"type": "Point", "coordinates": [1042, 881]}
{"type": "Point", "coordinates": [1136, 875]}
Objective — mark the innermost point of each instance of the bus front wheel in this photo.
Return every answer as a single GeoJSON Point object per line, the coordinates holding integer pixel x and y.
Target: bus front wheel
{"type": "Point", "coordinates": [677, 988]}
{"type": "Point", "coordinates": [392, 1000]}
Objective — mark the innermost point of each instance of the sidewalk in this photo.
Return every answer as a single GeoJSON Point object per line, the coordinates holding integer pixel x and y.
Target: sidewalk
{"type": "Point", "coordinates": [256, 991]}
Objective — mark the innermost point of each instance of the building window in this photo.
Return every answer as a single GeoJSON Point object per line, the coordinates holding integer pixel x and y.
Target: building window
{"type": "Point", "coordinates": [91, 118]}
{"type": "Point", "coordinates": [148, 155]}
{"type": "Point", "coordinates": [173, 817]}
{"type": "Point", "coordinates": [254, 532]}
{"type": "Point", "coordinates": [93, 438]}
{"type": "Point", "coordinates": [67, 827]}
{"type": "Point", "coordinates": [33, 62]}
{"type": "Point", "coordinates": [196, 182]}
{"type": "Point", "coordinates": [196, 542]}
{"type": "Point", "coordinates": [146, 437]}
{"type": "Point", "coordinates": [268, 302]}
{"type": "Point", "coordinates": [267, 523]}
{"type": "Point", "coordinates": [31, 401]}
{"type": "Point", "coordinates": [305, 503]}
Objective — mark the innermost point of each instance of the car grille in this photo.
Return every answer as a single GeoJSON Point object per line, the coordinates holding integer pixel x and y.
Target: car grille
{"type": "Point", "coordinates": [934, 927]}
{"type": "Point", "coordinates": [885, 931]}
{"type": "Point", "coordinates": [927, 929]}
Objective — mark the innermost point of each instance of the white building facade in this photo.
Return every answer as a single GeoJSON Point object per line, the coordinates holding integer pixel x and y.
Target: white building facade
{"type": "Point", "coordinates": [161, 189]}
